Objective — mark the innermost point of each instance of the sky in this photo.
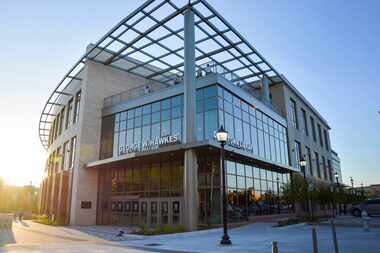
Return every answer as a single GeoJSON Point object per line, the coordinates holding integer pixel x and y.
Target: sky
{"type": "Point", "coordinates": [329, 50]}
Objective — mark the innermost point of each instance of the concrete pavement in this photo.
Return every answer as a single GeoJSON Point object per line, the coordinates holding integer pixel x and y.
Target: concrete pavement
{"type": "Point", "coordinates": [32, 237]}
{"type": "Point", "coordinates": [28, 237]}
{"type": "Point", "coordinates": [258, 237]}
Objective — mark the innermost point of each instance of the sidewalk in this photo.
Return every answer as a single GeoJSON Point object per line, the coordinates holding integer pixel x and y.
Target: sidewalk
{"type": "Point", "coordinates": [351, 221]}
{"type": "Point", "coordinates": [258, 237]}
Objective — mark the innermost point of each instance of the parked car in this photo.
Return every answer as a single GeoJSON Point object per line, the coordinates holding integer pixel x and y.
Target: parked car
{"type": "Point", "coordinates": [372, 206]}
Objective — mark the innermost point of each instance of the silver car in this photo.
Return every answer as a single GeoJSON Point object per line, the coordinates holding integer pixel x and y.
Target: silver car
{"type": "Point", "coordinates": [372, 206]}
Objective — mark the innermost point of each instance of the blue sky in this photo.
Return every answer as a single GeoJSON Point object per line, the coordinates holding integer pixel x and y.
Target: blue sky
{"type": "Point", "coordinates": [328, 49]}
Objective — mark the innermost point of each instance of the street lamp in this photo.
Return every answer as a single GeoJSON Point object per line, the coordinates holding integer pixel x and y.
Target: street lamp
{"type": "Point", "coordinates": [303, 164]}
{"type": "Point", "coordinates": [336, 178]}
{"type": "Point", "coordinates": [352, 185]}
{"type": "Point", "coordinates": [222, 137]}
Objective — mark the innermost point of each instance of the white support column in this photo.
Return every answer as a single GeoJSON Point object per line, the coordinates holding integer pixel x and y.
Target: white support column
{"type": "Point", "coordinates": [190, 160]}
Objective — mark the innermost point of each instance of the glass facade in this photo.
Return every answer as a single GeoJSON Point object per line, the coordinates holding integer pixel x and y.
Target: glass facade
{"type": "Point", "coordinates": [245, 124]}
{"type": "Point", "coordinates": [251, 189]}
{"type": "Point", "coordinates": [141, 192]}
{"type": "Point", "coordinates": [149, 122]}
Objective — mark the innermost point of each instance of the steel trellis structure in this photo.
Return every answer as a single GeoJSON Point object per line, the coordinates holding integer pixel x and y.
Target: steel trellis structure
{"type": "Point", "coordinates": [150, 43]}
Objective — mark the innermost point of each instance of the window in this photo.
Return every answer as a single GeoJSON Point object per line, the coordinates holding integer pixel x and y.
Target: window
{"type": "Point", "coordinates": [57, 127]}
{"type": "Point", "coordinates": [61, 121]}
{"type": "Point", "coordinates": [320, 135]}
{"type": "Point", "coordinates": [325, 133]}
{"type": "Point", "coordinates": [72, 152]}
{"type": "Point", "coordinates": [330, 170]}
{"type": "Point", "coordinates": [65, 155]}
{"type": "Point", "coordinates": [305, 127]}
{"type": "Point", "coordinates": [151, 121]}
{"type": "Point", "coordinates": [313, 129]}
{"type": "Point", "coordinates": [293, 114]}
{"type": "Point", "coordinates": [69, 114]}
{"type": "Point", "coordinates": [309, 160]}
{"type": "Point", "coordinates": [318, 165]}
{"type": "Point", "coordinates": [58, 159]}
{"type": "Point", "coordinates": [77, 107]}
{"type": "Point", "coordinates": [324, 168]}
{"type": "Point", "coordinates": [297, 154]}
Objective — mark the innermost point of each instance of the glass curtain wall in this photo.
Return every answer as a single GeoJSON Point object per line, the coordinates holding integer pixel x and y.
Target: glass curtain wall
{"type": "Point", "coordinates": [148, 122]}
{"type": "Point", "coordinates": [253, 190]}
{"type": "Point", "coordinates": [216, 106]}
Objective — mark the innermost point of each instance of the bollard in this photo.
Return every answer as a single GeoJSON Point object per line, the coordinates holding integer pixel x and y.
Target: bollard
{"type": "Point", "coordinates": [335, 240]}
{"type": "Point", "coordinates": [315, 243]}
{"type": "Point", "coordinates": [366, 220]}
{"type": "Point", "coordinates": [274, 247]}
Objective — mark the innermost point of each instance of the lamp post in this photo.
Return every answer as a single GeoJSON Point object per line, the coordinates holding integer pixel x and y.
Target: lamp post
{"type": "Point", "coordinates": [222, 136]}
{"type": "Point", "coordinates": [337, 185]}
{"type": "Point", "coordinates": [303, 164]}
{"type": "Point", "coordinates": [303, 167]}
{"type": "Point", "coordinates": [278, 195]}
{"type": "Point", "coordinates": [352, 185]}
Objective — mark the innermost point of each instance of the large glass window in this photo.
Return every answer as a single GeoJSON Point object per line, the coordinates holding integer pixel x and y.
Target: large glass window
{"type": "Point", "coordinates": [253, 189]}
{"type": "Point", "coordinates": [246, 124]}
{"type": "Point", "coordinates": [146, 123]}
{"type": "Point", "coordinates": [145, 179]}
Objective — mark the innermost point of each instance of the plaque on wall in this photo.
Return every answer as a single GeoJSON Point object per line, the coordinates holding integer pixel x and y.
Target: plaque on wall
{"type": "Point", "coordinates": [85, 204]}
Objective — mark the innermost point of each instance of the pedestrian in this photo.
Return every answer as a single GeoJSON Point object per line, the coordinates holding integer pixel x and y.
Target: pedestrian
{"type": "Point", "coordinates": [20, 216]}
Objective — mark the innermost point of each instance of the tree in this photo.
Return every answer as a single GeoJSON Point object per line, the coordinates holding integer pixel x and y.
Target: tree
{"type": "Point", "coordinates": [296, 190]}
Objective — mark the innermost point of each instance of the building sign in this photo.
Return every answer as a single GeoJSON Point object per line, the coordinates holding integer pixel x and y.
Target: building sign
{"type": "Point", "coordinates": [237, 144]}
{"type": "Point", "coordinates": [149, 145]}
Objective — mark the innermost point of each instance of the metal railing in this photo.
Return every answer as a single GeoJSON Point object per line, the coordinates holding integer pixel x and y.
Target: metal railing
{"type": "Point", "coordinates": [201, 71]}
{"type": "Point", "coordinates": [133, 93]}
{"type": "Point", "coordinates": [213, 67]}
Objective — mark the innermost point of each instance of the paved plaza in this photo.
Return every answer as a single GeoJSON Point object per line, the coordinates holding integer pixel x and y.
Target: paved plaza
{"type": "Point", "coordinates": [32, 237]}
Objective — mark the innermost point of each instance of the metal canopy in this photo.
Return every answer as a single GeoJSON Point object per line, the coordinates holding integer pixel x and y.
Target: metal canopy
{"type": "Point", "coordinates": [150, 43]}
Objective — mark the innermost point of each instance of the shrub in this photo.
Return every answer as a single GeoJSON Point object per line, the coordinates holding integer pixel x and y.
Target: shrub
{"type": "Point", "coordinates": [157, 230]}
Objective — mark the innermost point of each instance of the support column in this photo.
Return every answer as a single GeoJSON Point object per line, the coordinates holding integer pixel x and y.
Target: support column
{"type": "Point", "coordinates": [265, 92]}
{"type": "Point", "coordinates": [190, 181]}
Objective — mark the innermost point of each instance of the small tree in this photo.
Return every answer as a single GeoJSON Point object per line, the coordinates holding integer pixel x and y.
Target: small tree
{"type": "Point", "coordinates": [296, 190]}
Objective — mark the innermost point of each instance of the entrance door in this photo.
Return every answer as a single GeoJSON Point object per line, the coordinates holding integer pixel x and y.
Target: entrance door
{"type": "Point", "coordinates": [153, 213]}
{"type": "Point", "coordinates": [165, 212]}
{"type": "Point", "coordinates": [144, 212]}
{"type": "Point", "coordinates": [176, 212]}
{"type": "Point", "coordinates": [128, 212]}
{"type": "Point", "coordinates": [135, 212]}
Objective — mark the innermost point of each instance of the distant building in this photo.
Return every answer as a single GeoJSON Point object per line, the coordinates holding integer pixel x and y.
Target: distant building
{"type": "Point", "coordinates": [130, 130]}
